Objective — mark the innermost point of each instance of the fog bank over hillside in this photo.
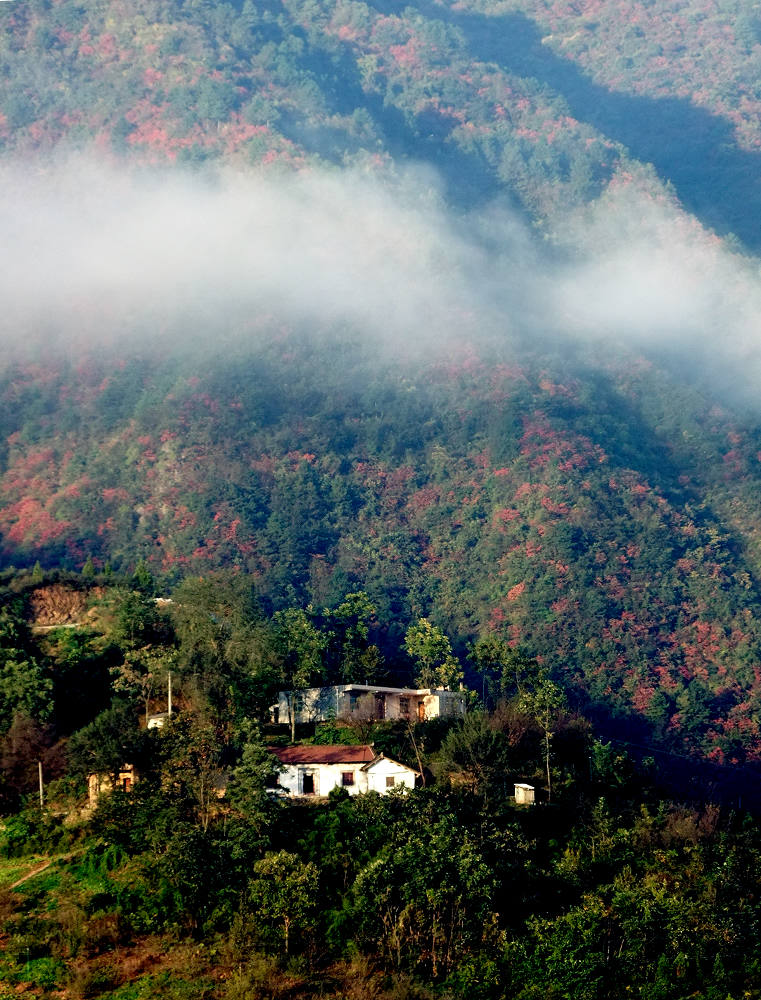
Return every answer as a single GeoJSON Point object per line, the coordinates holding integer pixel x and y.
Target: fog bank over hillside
{"type": "Point", "coordinates": [645, 272]}
{"type": "Point", "coordinates": [92, 250]}
{"type": "Point", "coordinates": [94, 256]}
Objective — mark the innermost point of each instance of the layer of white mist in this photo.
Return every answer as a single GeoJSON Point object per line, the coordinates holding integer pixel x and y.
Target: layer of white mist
{"type": "Point", "coordinates": [643, 271]}
{"type": "Point", "coordinates": [92, 255]}
{"type": "Point", "coordinates": [89, 251]}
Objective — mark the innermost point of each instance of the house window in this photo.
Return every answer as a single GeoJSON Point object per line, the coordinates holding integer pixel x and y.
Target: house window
{"type": "Point", "coordinates": [308, 784]}
{"type": "Point", "coordinates": [390, 781]}
{"type": "Point", "coordinates": [404, 707]}
{"type": "Point", "coordinates": [353, 700]}
{"type": "Point", "coordinates": [347, 778]}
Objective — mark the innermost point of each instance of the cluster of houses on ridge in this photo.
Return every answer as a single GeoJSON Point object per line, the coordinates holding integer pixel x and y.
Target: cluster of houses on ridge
{"type": "Point", "coordinates": [317, 770]}
{"type": "Point", "coordinates": [311, 771]}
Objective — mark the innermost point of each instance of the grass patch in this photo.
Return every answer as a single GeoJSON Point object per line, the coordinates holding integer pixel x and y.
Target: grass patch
{"type": "Point", "coordinates": [166, 986]}
{"type": "Point", "coordinates": [39, 885]}
{"type": "Point", "coordinates": [12, 869]}
{"type": "Point", "coordinates": [44, 973]}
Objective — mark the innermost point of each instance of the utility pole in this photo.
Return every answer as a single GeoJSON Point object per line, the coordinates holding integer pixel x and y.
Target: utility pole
{"type": "Point", "coordinates": [169, 694]}
{"type": "Point", "coordinates": [42, 798]}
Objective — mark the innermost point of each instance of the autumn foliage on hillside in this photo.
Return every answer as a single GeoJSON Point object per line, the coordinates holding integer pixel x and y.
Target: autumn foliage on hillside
{"type": "Point", "coordinates": [498, 499]}
{"type": "Point", "coordinates": [282, 85]}
{"type": "Point", "coordinates": [545, 102]}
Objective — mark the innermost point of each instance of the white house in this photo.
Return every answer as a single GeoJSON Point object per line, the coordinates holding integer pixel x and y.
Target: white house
{"type": "Point", "coordinates": [317, 770]}
{"type": "Point", "coordinates": [366, 701]}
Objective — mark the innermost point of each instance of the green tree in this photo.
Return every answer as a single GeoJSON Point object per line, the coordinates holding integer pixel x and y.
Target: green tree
{"type": "Point", "coordinates": [191, 752]}
{"type": "Point", "coordinates": [357, 660]}
{"type": "Point", "coordinates": [146, 638]}
{"type": "Point", "coordinates": [544, 704]}
{"type": "Point", "coordinates": [284, 892]}
{"type": "Point", "coordinates": [488, 656]}
{"type": "Point", "coordinates": [108, 743]}
{"type": "Point", "coordinates": [474, 754]}
{"type": "Point", "coordinates": [192, 861]}
{"type": "Point", "coordinates": [80, 666]}
{"type": "Point", "coordinates": [216, 99]}
{"type": "Point", "coordinates": [568, 957]}
{"type": "Point", "coordinates": [301, 523]}
{"type": "Point", "coordinates": [142, 579]}
{"type": "Point", "coordinates": [25, 685]}
{"type": "Point", "coordinates": [504, 670]}
{"type": "Point", "coordinates": [224, 646]}
{"type": "Point", "coordinates": [139, 622]}
{"type": "Point", "coordinates": [431, 650]}
{"type": "Point", "coordinates": [250, 779]}
{"type": "Point", "coordinates": [143, 673]}
{"type": "Point", "coordinates": [426, 898]}
{"type": "Point", "coordinates": [301, 645]}
{"type": "Point", "coordinates": [207, 612]}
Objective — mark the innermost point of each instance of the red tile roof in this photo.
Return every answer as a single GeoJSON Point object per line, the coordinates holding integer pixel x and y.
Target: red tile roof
{"type": "Point", "coordinates": [324, 754]}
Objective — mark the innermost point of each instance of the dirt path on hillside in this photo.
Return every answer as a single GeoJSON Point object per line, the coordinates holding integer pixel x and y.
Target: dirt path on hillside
{"type": "Point", "coordinates": [38, 869]}
{"type": "Point", "coordinates": [32, 873]}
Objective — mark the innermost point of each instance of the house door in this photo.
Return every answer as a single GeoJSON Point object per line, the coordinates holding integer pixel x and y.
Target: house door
{"type": "Point", "coordinates": [380, 706]}
{"type": "Point", "coordinates": [308, 783]}
{"type": "Point", "coordinates": [421, 711]}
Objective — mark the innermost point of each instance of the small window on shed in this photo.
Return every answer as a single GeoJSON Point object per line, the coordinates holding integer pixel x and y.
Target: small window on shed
{"type": "Point", "coordinates": [347, 778]}
{"type": "Point", "coordinates": [390, 781]}
{"type": "Point", "coordinates": [404, 706]}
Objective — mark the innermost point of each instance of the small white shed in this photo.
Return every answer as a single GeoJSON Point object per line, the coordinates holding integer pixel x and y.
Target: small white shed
{"type": "Point", "coordinates": [158, 721]}
{"type": "Point", "coordinates": [524, 794]}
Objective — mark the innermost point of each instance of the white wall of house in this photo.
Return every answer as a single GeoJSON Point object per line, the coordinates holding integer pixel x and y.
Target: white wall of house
{"type": "Point", "coordinates": [384, 775]}
{"type": "Point", "coordinates": [324, 778]}
{"type": "Point", "coordinates": [381, 776]}
{"type": "Point", "coordinates": [444, 705]}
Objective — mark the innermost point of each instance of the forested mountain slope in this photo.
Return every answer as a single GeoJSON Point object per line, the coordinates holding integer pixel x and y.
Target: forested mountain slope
{"type": "Point", "coordinates": [509, 405]}
{"type": "Point", "coordinates": [544, 101]}
{"type": "Point", "coordinates": [604, 520]}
